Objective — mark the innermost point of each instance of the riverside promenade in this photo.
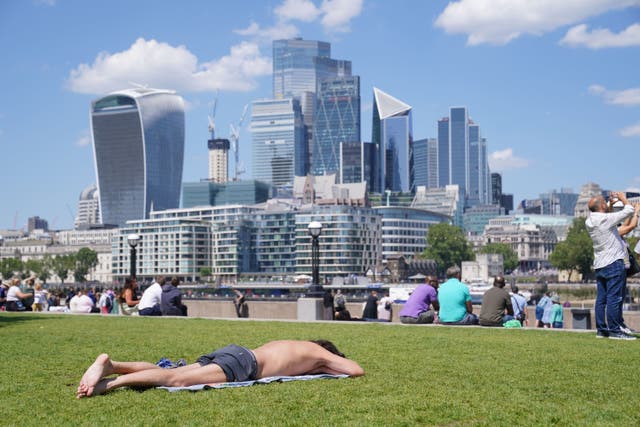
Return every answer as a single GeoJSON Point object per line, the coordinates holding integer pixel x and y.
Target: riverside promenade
{"type": "Point", "coordinates": [288, 310]}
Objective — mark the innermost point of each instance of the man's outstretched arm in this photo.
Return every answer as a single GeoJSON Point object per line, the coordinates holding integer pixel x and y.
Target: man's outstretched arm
{"type": "Point", "coordinates": [337, 365]}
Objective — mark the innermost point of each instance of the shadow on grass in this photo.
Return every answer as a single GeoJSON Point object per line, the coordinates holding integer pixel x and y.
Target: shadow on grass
{"type": "Point", "coordinates": [12, 318]}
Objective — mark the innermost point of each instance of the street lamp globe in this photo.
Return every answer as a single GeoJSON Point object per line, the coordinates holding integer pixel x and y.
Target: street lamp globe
{"type": "Point", "coordinates": [133, 240]}
{"type": "Point", "coordinates": [314, 228]}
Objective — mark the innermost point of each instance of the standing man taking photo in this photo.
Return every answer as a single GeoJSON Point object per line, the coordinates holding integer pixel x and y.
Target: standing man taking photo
{"type": "Point", "coordinates": [609, 253]}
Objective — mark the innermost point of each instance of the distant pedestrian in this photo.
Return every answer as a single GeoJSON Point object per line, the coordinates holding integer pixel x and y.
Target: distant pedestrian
{"type": "Point", "coordinates": [519, 304]}
{"type": "Point", "coordinates": [370, 311]}
{"type": "Point", "coordinates": [171, 300]}
{"type": "Point", "coordinates": [327, 305]}
{"type": "Point", "coordinates": [540, 308]}
{"type": "Point", "coordinates": [385, 308]}
{"type": "Point", "coordinates": [240, 303]}
{"type": "Point", "coordinates": [557, 316]}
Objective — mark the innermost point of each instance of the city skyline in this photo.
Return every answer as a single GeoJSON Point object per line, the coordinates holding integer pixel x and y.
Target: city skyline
{"type": "Point", "coordinates": [557, 96]}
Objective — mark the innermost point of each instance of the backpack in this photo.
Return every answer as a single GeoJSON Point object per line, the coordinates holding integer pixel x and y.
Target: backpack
{"type": "Point", "coordinates": [109, 303]}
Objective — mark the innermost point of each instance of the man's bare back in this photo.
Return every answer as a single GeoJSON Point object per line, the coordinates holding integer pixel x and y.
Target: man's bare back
{"type": "Point", "coordinates": [273, 359]}
{"type": "Point", "coordinates": [300, 358]}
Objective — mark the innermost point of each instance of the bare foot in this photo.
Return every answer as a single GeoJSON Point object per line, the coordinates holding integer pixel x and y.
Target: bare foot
{"type": "Point", "coordinates": [98, 370]}
{"type": "Point", "coordinates": [97, 389]}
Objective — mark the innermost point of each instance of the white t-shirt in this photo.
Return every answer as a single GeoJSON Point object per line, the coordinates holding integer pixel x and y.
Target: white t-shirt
{"type": "Point", "coordinates": [12, 294]}
{"type": "Point", "coordinates": [39, 297]}
{"type": "Point", "coordinates": [383, 313]}
{"type": "Point", "coordinates": [81, 304]}
{"type": "Point", "coordinates": [151, 296]}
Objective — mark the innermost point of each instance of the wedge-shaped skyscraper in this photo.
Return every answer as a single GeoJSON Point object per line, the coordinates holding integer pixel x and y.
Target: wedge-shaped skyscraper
{"type": "Point", "coordinates": [138, 144]}
{"type": "Point", "coordinates": [392, 135]}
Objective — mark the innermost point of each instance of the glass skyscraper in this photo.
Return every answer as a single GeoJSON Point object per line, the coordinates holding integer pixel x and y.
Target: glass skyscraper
{"type": "Point", "coordinates": [279, 148]}
{"type": "Point", "coordinates": [337, 120]}
{"type": "Point", "coordinates": [462, 157]}
{"type": "Point", "coordinates": [392, 136]}
{"type": "Point", "coordinates": [298, 68]}
{"type": "Point", "coordinates": [138, 144]}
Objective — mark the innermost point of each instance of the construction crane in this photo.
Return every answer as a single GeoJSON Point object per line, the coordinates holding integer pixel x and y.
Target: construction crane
{"type": "Point", "coordinates": [212, 117]}
{"type": "Point", "coordinates": [234, 136]}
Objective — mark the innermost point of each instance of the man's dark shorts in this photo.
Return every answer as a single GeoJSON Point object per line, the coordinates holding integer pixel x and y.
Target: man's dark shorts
{"type": "Point", "coordinates": [238, 363]}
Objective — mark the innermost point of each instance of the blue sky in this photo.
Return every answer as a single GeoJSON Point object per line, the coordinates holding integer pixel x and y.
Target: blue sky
{"type": "Point", "coordinates": [554, 85]}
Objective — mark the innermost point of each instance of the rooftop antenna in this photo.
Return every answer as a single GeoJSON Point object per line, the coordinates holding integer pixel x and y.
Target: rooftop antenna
{"type": "Point", "coordinates": [234, 132]}
{"type": "Point", "coordinates": [212, 117]}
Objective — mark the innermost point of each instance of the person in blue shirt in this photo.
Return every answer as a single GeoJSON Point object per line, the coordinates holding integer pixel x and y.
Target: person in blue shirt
{"type": "Point", "coordinates": [455, 300]}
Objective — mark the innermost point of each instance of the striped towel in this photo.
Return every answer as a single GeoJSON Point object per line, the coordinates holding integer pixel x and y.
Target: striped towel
{"type": "Point", "coordinates": [266, 380]}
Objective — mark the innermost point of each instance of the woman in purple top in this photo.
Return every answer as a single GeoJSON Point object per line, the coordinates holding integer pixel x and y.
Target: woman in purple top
{"type": "Point", "coordinates": [416, 309]}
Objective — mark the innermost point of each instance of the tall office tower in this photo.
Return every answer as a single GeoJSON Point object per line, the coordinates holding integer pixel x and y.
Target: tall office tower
{"type": "Point", "coordinates": [88, 208]}
{"type": "Point", "coordinates": [496, 188]}
{"type": "Point", "coordinates": [279, 147]}
{"type": "Point", "coordinates": [425, 162]}
{"type": "Point", "coordinates": [432, 163]}
{"type": "Point", "coordinates": [337, 121]}
{"type": "Point", "coordinates": [420, 162]}
{"type": "Point", "coordinates": [392, 136]}
{"type": "Point", "coordinates": [459, 149]}
{"type": "Point", "coordinates": [443, 152]}
{"type": "Point", "coordinates": [298, 68]}
{"type": "Point", "coordinates": [218, 160]}
{"type": "Point", "coordinates": [138, 144]}
{"type": "Point", "coordinates": [462, 157]}
{"type": "Point", "coordinates": [37, 223]}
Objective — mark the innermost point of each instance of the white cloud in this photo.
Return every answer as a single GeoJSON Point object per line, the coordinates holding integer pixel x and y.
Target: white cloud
{"type": "Point", "coordinates": [600, 38]}
{"type": "Point", "coordinates": [630, 131]}
{"type": "Point", "coordinates": [301, 10]}
{"type": "Point", "coordinates": [500, 21]}
{"type": "Point", "coordinates": [339, 13]}
{"type": "Point", "coordinates": [506, 160]}
{"type": "Point", "coordinates": [84, 139]}
{"type": "Point", "coordinates": [334, 15]}
{"type": "Point", "coordinates": [266, 35]}
{"type": "Point", "coordinates": [627, 97]}
{"type": "Point", "coordinates": [161, 65]}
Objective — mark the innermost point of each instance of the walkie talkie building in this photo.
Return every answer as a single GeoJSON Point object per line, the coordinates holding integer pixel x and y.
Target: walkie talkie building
{"type": "Point", "coordinates": [138, 145]}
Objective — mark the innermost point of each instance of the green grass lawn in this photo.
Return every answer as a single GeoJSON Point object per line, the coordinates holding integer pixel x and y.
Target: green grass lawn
{"type": "Point", "coordinates": [415, 375]}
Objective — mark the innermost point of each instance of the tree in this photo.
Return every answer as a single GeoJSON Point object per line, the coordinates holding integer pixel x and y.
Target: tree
{"type": "Point", "coordinates": [509, 256]}
{"type": "Point", "coordinates": [10, 266]}
{"type": "Point", "coordinates": [62, 264]}
{"type": "Point", "coordinates": [85, 260]}
{"type": "Point", "coordinates": [447, 246]}
{"type": "Point", "coordinates": [37, 267]}
{"type": "Point", "coordinates": [576, 252]}
{"type": "Point", "coordinates": [205, 272]}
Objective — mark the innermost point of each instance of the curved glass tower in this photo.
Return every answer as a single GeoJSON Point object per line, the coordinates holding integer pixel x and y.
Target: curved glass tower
{"type": "Point", "coordinates": [138, 145]}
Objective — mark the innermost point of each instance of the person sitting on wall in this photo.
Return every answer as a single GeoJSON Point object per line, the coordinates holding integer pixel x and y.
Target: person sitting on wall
{"type": "Point", "coordinates": [455, 300]}
{"type": "Point", "coordinates": [422, 305]}
{"type": "Point", "coordinates": [496, 305]}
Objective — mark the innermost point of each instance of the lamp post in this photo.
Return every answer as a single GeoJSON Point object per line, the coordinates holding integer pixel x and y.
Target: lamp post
{"type": "Point", "coordinates": [315, 228]}
{"type": "Point", "coordinates": [133, 240]}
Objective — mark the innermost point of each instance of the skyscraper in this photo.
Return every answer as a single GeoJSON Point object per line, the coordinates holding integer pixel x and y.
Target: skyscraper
{"type": "Point", "coordinates": [88, 208]}
{"type": "Point", "coordinates": [425, 162]}
{"type": "Point", "coordinates": [392, 136]}
{"type": "Point", "coordinates": [337, 121]}
{"type": "Point", "coordinates": [218, 160]}
{"type": "Point", "coordinates": [462, 157]}
{"type": "Point", "coordinates": [298, 68]}
{"type": "Point", "coordinates": [138, 143]}
{"type": "Point", "coordinates": [279, 149]}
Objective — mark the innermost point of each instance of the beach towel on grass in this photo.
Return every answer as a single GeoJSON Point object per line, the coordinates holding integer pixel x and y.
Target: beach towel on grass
{"type": "Point", "coordinates": [266, 380]}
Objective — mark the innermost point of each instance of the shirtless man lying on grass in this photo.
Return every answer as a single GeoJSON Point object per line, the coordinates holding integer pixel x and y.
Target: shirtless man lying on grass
{"type": "Point", "coordinates": [228, 364]}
